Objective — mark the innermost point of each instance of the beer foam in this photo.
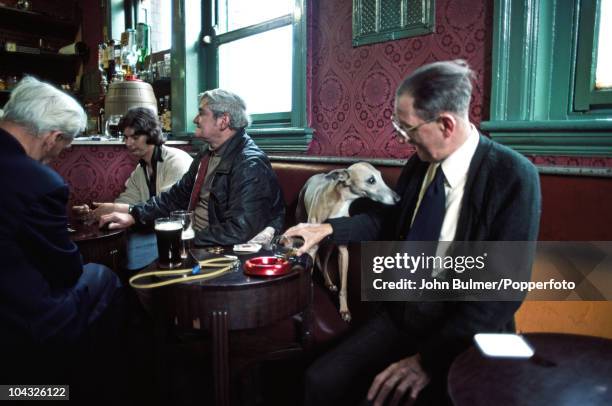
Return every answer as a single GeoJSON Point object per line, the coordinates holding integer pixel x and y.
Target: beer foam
{"type": "Point", "coordinates": [170, 226]}
{"type": "Point", "coordinates": [188, 234]}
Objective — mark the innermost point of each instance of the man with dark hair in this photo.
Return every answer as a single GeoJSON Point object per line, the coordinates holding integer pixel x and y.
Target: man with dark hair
{"type": "Point", "coordinates": [159, 166]}
{"type": "Point", "coordinates": [485, 192]}
{"type": "Point", "coordinates": [230, 186]}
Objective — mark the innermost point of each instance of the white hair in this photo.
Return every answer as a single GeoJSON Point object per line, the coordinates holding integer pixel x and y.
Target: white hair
{"type": "Point", "coordinates": [221, 101]}
{"type": "Point", "coordinates": [41, 108]}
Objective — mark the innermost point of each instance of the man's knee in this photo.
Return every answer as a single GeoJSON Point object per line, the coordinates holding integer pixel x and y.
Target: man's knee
{"type": "Point", "coordinates": [322, 385]}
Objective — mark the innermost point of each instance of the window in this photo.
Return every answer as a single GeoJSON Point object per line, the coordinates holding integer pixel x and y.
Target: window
{"type": "Point", "coordinates": [257, 49]}
{"type": "Point", "coordinates": [603, 75]}
{"type": "Point", "coordinates": [543, 97]}
{"type": "Point", "coordinates": [158, 15]}
{"type": "Point", "coordinates": [386, 20]}
{"type": "Point", "coordinates": [593, 66]}
{"type": "Point", "coordinates": [249, 31]}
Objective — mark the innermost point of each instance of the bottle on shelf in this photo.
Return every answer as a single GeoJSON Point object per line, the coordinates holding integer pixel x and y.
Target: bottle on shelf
{"type": "Point", "coordinates": [142, 43]}
{"type": "Point", "coordinates": [101, 121]}
{"type": "Point", "coordinates": [110, 58]}
{"type": "Point", "coordinates": [129, 55]}
{"type": "Point", "coordinates": [103, 67]}
{"type": "Point", "coordinates": [166, 115]}
{"type": "Point", "coordinates": [118, 73]}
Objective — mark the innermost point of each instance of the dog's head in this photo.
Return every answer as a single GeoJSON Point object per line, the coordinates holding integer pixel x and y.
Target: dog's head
{"type": "Point", "coordinates": [363, 180]}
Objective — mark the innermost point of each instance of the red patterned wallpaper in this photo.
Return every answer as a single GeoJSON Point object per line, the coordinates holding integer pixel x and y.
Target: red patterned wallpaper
{"type": "Point", "coordinates": [350, 90]}
{"type": "Point", "coordinates": [94, 173]}
{"type": "Point", "coordinates": [97, 173]}
{"type": "Point", "coordinates": [353, 88]}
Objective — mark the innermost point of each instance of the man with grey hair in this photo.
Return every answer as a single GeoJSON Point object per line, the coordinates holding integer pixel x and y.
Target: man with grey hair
{"type": "Point", "coordinates": [458, 186]}
{"type": "Point", "coordinates": [49, 301]}
{"type": "Point", "coordinates": [231, 185]}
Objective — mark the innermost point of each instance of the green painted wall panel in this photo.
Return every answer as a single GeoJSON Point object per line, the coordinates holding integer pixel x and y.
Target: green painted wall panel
{"type": "Point", "coordinates": [535, 45]}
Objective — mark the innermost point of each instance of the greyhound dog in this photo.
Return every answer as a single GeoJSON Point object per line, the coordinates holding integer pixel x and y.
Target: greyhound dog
{"type": "Point", "coordinates": [329, 195]}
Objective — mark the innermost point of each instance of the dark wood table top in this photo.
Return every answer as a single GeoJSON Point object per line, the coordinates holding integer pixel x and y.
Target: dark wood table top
{"type": "Point", "coordinates": [565, 370]}
{"type": "Point", "coordinates": [235, 279]}
{"type": "Point", "coordinates": [80, 231]}
{"type": "Point", "coordinates": [251, 301]}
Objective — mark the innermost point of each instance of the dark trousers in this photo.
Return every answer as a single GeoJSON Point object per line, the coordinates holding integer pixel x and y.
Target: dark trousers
{"type": "Point", "coordinates": [344, 374]}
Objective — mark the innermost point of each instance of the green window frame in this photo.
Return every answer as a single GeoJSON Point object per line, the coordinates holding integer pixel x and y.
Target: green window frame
{"type": "Point", "coordinates": [387, 20]}
{"type": "Point", "coordinates": [536, 71]}
{"type": "Point", "coordinates": [195, 68]}
{"type": "Point", "coordinates": [587, 96]}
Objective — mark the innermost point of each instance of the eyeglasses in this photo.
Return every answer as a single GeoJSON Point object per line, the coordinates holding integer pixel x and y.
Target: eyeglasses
{"type": "Point", "coordinates": [406, 131]}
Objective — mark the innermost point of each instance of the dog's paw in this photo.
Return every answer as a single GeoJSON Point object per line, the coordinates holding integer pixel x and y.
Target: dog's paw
{"type": "Point", "coordinates": [346, 316]}
{"type": "Point", "coordinates": [331, 287]}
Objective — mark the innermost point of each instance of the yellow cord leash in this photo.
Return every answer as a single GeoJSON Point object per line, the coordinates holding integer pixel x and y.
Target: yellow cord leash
{"type": "Point", "coordinates": [218, 267]}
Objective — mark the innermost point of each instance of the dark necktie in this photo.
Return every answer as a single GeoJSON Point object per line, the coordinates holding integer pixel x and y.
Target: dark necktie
{"type": "Point", "coordinates": [430, 215]}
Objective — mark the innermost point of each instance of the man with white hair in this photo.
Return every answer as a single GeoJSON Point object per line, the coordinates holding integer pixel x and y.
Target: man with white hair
{"type": "Point", "coordinates": [49, 301]}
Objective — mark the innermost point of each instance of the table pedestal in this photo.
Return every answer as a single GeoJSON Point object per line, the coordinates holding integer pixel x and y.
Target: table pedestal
{"type": "Point", "coordinates": [230, 302]}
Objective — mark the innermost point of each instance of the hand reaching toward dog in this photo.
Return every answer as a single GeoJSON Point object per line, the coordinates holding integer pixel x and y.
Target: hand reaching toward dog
{"type": "Point", "coordinates": [117, 220]}
{"type": "Point", "coordinates": [311, 233]}
{"type": "Point", "coordinates": [397, 378]}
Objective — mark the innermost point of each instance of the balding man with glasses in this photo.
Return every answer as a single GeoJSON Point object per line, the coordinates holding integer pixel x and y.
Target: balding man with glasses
{"type": "Point", "coordinates": [458, 186]}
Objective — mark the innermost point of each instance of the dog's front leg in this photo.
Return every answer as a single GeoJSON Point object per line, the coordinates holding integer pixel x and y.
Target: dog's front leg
{"type": "Point", "coordinates": [343, 259]}
{"type": "Point", "coordinates": [323, 267]}
{"type": "Point", "coordinates": [314, 254]}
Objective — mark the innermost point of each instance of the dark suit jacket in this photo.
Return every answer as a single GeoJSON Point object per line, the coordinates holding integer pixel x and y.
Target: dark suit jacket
{"type": "Point", "coordinates": [501, 202]}
{"type": "Point", "coordinates": [42, 295]}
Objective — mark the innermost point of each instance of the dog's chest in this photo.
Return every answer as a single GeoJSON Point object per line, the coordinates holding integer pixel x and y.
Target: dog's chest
{"type": "Point", "coordinates": [340, 210]}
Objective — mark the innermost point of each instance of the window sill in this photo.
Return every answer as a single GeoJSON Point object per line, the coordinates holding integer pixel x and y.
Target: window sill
{"type": "Point", "coordinates": [555, 137]}
{"type": "Point", "coordinates": [289, 139]}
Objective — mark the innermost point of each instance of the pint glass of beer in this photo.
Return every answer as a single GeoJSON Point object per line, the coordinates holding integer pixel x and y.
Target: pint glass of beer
{"type": "Point", "coordinates": [168, 231]}
{"type": "Point", "coordinates": [186, 218]}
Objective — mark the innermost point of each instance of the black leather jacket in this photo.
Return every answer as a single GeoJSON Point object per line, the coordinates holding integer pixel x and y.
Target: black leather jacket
{"type": "Point", "coordinates": [245, 196]}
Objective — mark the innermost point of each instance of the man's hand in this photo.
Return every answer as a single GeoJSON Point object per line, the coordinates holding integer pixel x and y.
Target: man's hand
{"type": "Point", "coordinates": [117, 220]}
{"type": "Point", "coordinates": [107, 208]}
{"type": "Point", "coordinates": [86, 213]}
{"type": "Point", "coordinates": [311, 233]}
{"type": "Point", "coordinates": [405, 374]}
{"type": "Point", "coordinates": [83, 213]}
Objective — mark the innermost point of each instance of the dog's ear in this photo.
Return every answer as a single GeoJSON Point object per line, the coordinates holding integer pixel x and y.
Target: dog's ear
{"type": "Point", "coordinates": [344, 177]}
{"type": "Point", "coordinates": [333, 175]}
{"type": "Point", "coordinates": [339, 175]}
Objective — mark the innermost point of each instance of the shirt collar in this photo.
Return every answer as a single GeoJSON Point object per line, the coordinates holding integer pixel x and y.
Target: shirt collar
{"type": "Point", "coordinates": [156, 157]}
{"type": "Point", "coordinates": [456, 165]}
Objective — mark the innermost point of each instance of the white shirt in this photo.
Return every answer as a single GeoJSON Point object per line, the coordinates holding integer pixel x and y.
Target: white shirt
{"type": "Point", "coordinates": [455, 168]}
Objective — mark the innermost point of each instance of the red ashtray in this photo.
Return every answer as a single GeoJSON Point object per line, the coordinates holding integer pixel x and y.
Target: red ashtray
{"type": "Point", "coordinates": [266, 266]}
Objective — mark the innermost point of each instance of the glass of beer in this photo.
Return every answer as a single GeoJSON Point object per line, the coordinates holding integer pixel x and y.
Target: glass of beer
{"type": "Point", "coordinates": [112, 126]}
{"type": "Point", "coordinates": [168, 231]}
{"type": "Point", "coordinates": [187, 236]}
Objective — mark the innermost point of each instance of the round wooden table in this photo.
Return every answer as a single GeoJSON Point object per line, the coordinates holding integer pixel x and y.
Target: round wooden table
{"type": "Point", "coordinates": [565, 370]}
{"type": "Point", "coordinates": [230, 302]}
{"type": "Point", "coordinates": [106, 247]}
